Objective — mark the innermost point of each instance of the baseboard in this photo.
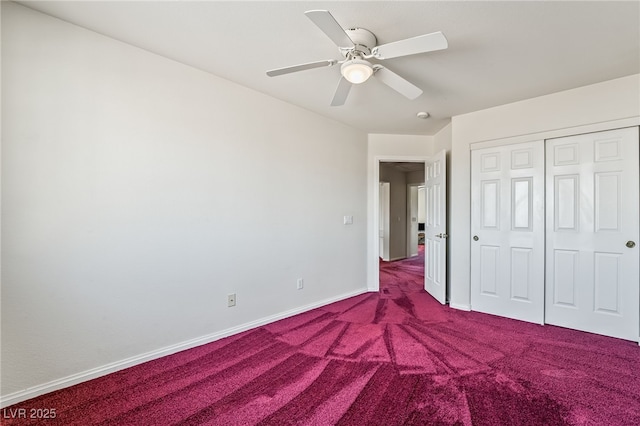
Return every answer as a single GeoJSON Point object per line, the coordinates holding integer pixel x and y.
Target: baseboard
{"type": "Point", "coordinates": [460, 307]}
{"type": "Point", "coordinates": [94, 373]}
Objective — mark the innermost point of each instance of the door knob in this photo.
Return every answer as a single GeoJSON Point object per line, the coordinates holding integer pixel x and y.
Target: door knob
{"type": "Point", "coordinates": [475, 238]}
{"type": "Point", "coordinates": [631, 244]}
{"type": "Point", "coordinates": [442, 235]}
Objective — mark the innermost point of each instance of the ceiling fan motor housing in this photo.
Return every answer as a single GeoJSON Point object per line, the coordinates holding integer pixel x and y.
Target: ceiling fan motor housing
{"type": "Point", "coordinates": [364, 40]}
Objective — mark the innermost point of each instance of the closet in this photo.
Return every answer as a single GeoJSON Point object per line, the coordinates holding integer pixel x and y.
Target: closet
{"type": "Point", "coordinates": [555, 227]}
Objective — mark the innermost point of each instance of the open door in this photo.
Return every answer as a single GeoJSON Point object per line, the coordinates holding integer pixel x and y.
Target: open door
{"type": "Point", "coordinates": [435, 264]}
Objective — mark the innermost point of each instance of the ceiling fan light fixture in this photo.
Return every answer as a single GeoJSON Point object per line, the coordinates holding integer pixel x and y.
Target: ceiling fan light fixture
{"type": "Point", "coordinates": [356, 70]}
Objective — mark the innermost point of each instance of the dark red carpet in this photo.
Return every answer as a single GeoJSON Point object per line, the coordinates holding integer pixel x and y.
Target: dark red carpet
{"type": "Point", "coordinates": [393, 358]}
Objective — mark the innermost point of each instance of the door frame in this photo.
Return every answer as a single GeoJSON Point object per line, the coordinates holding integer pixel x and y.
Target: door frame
{"type": "Point", "coordinates": [373, 238]}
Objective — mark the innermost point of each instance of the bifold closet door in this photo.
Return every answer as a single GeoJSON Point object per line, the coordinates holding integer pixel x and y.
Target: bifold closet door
{"type": "Point", "coordinates": [592, 254]}
{"type": "Point", "coordinates": [507, 228]}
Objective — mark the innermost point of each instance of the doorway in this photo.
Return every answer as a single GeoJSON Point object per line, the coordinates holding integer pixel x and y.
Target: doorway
{"type": "Point", "coordinates": [433, 174]}
{"type": "Point", "coordinates": [396, 220]}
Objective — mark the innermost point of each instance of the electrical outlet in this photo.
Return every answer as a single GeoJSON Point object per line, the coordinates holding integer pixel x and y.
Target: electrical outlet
{"type": "Point", "coordinates": [231, 300]}
{"type": "Point", "coordinates": [300, 284]}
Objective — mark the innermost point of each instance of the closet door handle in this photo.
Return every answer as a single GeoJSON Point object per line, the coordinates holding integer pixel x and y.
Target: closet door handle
{"type": "Point", "coordinates": [631, 244]}
{"type": "Point", "coordinates": [475, 238]}
{"type": "Point", "coordinates": [442, 235]}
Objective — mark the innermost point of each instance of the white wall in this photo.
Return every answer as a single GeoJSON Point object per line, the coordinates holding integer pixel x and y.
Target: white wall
{"type": "Point", "coordinates": [442, 140]}
{"type": "Point", "coordinates": [595, 107]}
{"type": "Point", "coordinates": [384, 147]}
{"type": "Point", "coordinates": [130, 190]}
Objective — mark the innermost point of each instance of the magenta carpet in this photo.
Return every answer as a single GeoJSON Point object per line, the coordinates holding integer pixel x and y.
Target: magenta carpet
{"type": "Point", "coordinates": [393, 358]}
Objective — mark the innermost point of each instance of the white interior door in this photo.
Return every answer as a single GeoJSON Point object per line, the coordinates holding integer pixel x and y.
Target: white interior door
{"type": "Point", "coordinates": [412, 220]}
{"type": "Point", "coordinates": [435, 264]}
{"type": "Point", "coordinates": [592, 233]}
{"type": "Point", "coordinates": [383, 220]}
{"type": "Point", "coordinates": [507, 225]}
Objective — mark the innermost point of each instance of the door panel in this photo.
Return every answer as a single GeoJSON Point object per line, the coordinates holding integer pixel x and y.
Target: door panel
{"type": "Point", "coordinates": [520, 273]}
{"type": "Point", "coordinates": [507, 250]}
{"type": "Point", "coordinates": [435, 275]}
{"type": "Point", "coordinates": [592, 211]}
{"type": "Point", "coordinates": [521, 204]}
{"type": "Point", "coordinates": [566, 203]}
{"type": "Point", "coordinates": [490, 201]}
{"type": "Point", "coordinates": [489, 270]}
{"type": "Point", "coordinates": [565, 277]}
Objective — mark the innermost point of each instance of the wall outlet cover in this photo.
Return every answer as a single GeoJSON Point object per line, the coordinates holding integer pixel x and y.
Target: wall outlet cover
{"type": "Point", "coordinates": [231, 300]}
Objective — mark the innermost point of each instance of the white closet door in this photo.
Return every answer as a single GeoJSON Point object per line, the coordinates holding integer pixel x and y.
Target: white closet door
{"type": "Point", "coordinates": [435, 262]}
{"type": "Point", "coordinates": [507, 225]}
{"type": "Point", "coordinates": [592, 218]}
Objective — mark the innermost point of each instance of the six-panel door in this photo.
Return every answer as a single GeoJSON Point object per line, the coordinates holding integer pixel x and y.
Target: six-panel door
{"type": "Point", "coordinates": [592, 215]}
{"type": "Point", "coordinates": [507, 227]}
{"type": "Point", "coordinates": [435, 273]}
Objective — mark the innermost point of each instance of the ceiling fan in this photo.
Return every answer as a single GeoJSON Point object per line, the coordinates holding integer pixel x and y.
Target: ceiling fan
{"type": "Point", "coordinates": [358, 45]}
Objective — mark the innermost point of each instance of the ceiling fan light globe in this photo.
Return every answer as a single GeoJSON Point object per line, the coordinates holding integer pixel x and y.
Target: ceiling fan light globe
{"type": "Point", "coordinates": [356, 71]}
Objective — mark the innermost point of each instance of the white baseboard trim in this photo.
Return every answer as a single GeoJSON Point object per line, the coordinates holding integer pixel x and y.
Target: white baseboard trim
{"type": "Point", "coordinates": [460, 307]}
{"type": "Point", "coordinates": [74, 379]}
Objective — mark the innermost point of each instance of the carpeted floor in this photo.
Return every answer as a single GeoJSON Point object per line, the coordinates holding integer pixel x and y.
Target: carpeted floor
{"type": "Point", "coordinates": [391, 358]}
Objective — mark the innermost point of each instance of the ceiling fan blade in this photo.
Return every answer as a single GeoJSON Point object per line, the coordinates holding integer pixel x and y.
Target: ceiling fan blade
{"type": "Point", "coordinates": [397, 83]}
{"type": "Point", "coordinates": [328, 24]}
{"type": "Point", "coordinates": [301, 67]}
{"type": "Point", "coordinates": [411, 46]}
{"type": "Point", "coordinates": [342, 91]}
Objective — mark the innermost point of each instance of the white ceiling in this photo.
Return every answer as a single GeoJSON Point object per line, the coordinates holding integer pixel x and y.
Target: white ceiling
{"type": "Point", "coordinates": [499, 52]}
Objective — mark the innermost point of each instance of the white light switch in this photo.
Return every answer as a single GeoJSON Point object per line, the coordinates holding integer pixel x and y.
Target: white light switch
{"type": "Point", "coordinates": [348, 220]}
